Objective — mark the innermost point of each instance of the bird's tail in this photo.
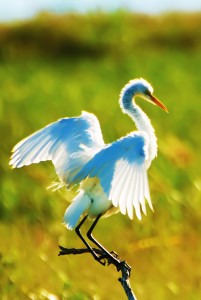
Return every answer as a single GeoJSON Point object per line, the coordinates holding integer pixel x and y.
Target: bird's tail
{"type": "Point", "coordinates": [79, 205]}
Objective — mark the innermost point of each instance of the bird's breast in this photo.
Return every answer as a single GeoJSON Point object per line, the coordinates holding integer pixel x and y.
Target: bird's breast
{"type": "Point", "coordinates": [99, 201]}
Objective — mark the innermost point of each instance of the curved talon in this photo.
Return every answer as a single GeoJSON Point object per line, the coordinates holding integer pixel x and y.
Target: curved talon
{"type": "Point", "coordinates": [105, 255]}
{"type": "Point", "coordinates": [103, 263]}
{"type": "Point", "coordinates": [105, 258]}
{"type": "Point", "coordinates": [114, 254]}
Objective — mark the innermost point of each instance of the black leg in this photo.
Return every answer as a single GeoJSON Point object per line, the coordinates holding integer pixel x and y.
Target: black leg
{"type": "Point", "coordinates": [77, 230]}
{"type": "Point", "coordinates": [106, 254]}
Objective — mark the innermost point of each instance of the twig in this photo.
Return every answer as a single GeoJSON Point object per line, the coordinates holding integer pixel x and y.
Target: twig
{"type": "Point", "coordinates": [125, 282]}
{"type": "Point", "coordinates": [123, 267]}
{"type": "Point", "coordinates": [74, 251]}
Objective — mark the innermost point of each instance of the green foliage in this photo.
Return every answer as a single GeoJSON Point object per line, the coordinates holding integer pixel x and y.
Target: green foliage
{"type": "Point", "coordinates": [99, 34]}
{"type": "Point", "coordinates": [54, 67]}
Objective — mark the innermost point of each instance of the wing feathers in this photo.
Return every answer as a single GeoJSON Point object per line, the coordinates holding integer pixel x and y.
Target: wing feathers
{"type": "Point", "coordinates": [65, 142]}
{"type": "Point", "coordinates": [131, 193]}
{"type": "Point", "coordinates": [147, 192]}
{"type": "Point", "coordinates": [129, 188]}
{"type": "Point", "coordinates": [119, 177]}
{"type": "Point", "coordinates": [136, 202]}
{"type": "Point", "coordinates": [124, 190]}
{"type": "Point", "coordinates": [26, 151]}
{"type": "Point", "coordinates": [121, 168]}
{"type": "Point", "coordinates": [142, 194]}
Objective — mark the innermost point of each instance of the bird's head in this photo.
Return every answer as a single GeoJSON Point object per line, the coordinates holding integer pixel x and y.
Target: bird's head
{"type": "Point", "coordinates": [143, 89]}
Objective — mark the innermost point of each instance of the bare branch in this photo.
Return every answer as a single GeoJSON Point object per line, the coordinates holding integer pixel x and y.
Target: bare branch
{"type": "Point", "coordinates": [74, 251]}
{"type": "Point", "coordinates": [123, 267]}
{"type": "Point", "coordinates": [125, 282]}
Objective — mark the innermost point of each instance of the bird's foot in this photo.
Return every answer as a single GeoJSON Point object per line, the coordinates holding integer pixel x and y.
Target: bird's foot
{"type": "Point", "coordinates": [124, 267]}
{"type": "Point", "coordinates": [102, 260]}
{"type": "Point", "coordinates": [114, 259]}
{"type": "Point", "coordinates": [114, 254]}
{"type": "Point", "coordinates": [110, 258]}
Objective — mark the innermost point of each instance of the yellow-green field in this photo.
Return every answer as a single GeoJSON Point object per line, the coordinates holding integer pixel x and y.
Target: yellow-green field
{"type": "Point", "coordinates": [54, 67]}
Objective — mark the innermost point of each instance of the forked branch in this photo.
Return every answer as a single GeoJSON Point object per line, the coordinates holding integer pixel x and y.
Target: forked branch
{"type": "Point", "coordinates": [123, 267]}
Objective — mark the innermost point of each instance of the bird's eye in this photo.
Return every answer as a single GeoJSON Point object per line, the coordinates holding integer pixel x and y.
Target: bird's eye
{"type": "Point", "coordinates": [148, 93]}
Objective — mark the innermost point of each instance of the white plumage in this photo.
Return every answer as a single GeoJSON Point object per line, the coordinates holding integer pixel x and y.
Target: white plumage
{"type": "Point", "coordinates": [110, 177]}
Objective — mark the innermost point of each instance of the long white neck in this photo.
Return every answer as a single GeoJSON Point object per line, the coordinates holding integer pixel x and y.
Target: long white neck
{"type": "Point", "coordinates": [141, 120]}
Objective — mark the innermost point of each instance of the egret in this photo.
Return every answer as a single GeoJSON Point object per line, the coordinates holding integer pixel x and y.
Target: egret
{"type": "Point", "coordinates": [110, 177]}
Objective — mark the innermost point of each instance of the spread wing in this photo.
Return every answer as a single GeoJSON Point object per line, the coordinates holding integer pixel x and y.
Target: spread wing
{"type": "Point", "coordinates": [121, 169]}
{"type": "Point", "coordinates": [69, 143]}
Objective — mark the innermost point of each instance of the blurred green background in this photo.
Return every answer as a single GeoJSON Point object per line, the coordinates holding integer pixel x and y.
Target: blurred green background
{"type": "Point", "coordinates": [57, 66]}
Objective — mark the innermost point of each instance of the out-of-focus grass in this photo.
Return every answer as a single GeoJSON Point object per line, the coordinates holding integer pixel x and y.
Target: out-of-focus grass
{"type": "Point", "coordinates": [164, 249]}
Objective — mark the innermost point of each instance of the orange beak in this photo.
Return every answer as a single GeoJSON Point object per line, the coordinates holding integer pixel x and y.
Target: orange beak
{"type": "Point", "coordinates": [157, 102]}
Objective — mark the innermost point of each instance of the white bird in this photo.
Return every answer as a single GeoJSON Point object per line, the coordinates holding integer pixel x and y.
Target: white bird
{"type": "Point", "coordinates": [110, 177]}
